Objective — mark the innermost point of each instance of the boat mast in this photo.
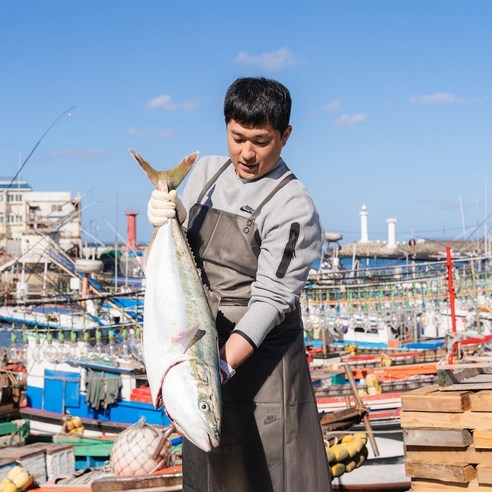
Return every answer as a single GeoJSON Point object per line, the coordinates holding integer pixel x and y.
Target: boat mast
{"type": "Point", "coordinates": [486, 227]}
{"type": "Point", "coordinates": [452, 298]}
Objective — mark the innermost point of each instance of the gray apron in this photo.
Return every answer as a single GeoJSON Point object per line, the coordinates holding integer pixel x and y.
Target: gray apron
{"type": "Point", "coordinates": [271, 436]}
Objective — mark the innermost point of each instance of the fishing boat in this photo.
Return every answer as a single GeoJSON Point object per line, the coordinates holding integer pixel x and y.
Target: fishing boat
{"type": "Point", "coordinates": [389, 328]}
{"type": "Point", "coordinates": [72, 345]}
{"type": "Point", "coordinates": [70, 340]}
{"type": "Point", "coordinates": [92, 371]}
{"type": "Point", "coordinates": [430, 308]}
{"type": "Point", "coordinates": [81, 352]}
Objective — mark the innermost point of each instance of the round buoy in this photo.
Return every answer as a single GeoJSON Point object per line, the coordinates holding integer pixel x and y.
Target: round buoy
{"type": "Point", "coordinates": [140, 449]}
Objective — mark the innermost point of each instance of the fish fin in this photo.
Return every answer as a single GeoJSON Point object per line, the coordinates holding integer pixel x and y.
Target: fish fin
{"type": "Point", "coordinates": [173, 177]}
{"type": "Point", "coordinates": [200, 333]}
{"type": "Point", "coordinates": [186, 338]}
{"type": "Point", "coordinates": [213, 301]}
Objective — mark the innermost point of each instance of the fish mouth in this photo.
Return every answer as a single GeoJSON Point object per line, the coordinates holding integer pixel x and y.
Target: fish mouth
{"type": "Point", "coordinates": [213, 441]}
{"type": "Point", "coordinates": [206, 444]}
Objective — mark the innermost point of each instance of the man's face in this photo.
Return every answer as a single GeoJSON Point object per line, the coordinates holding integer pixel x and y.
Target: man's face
{"type": "Point", "coordinates": [254, 151]}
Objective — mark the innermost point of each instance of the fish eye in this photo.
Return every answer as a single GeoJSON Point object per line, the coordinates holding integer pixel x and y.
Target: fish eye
{"type": "Point", "coordinates": [204, 406]}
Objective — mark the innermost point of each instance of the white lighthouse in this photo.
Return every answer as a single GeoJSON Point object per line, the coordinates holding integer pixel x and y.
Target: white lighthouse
{"type": "Point", "coordinates": [391, 233]}
{"type": "Point", "coordinates": [364, 238]}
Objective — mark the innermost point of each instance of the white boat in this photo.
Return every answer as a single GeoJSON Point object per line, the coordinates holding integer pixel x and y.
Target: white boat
{"type": "Point", "coordinates": [384, 307]}
{"type": "Point", "coordinates": [85, 362]}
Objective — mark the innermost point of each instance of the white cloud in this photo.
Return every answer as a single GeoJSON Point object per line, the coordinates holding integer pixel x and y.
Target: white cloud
{"type": "Point", "coordinates": [351, 120]}
{"type": "Point", "coordinates": [166, 103]}
{"type": "Point", "coordinates": [332, 106]}
{"type": "Point", "coordinates": [133, 132]}
{"type": "Point", "coordinates": [437, 98]}
{"type": "Point", "coordinates": [271, 60]}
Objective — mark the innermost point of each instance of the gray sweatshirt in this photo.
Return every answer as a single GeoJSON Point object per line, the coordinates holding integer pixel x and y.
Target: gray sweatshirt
{"type": "Point", "coordinates": [271, 297]}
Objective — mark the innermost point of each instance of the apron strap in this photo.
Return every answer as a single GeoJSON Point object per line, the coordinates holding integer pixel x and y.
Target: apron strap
{"type": "Point", "coordinates": [282, 183]}
{"type": "Point", "coordinates": [212, 180]}
{"type": "Point", "coordinates": [257, 212]}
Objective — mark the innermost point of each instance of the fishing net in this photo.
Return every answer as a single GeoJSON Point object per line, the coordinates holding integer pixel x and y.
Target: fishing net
{"type": "Point", "coordinates": [140, 449]}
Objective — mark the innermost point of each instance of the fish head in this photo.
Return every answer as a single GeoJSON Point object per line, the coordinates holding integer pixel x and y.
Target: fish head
{"type": "Point", "coordinates": [192, 402]}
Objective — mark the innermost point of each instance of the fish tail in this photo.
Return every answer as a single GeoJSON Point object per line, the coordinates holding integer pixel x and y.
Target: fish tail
{"type": "Point", "coordinates": [172, 177]}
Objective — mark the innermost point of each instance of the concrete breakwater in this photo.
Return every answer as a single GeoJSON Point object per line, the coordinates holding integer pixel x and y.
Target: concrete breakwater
{"type": "Point", "coordinates": [417, 249]}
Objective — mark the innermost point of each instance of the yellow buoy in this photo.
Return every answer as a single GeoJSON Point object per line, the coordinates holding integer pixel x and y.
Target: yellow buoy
{"type": "Point", "coordinates": [18, 478]}
{"type": "Point", "coordinates": [337, 470]}
{"type": "Point", "coordinates": [340, 452]}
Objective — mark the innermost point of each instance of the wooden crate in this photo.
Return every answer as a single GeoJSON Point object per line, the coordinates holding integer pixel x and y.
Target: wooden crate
{"type": "Point", "coordinates": [423, 485]}
{"type": "Point", "coordinates": [447, 438]}
{"type": "Point", "coordinates": [430, 399]}
{"type": "Point", "coordinates": [449, 472]}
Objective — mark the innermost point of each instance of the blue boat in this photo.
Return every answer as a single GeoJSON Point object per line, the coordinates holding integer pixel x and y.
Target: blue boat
{"type": "Point", "coordinates": [80, 364]}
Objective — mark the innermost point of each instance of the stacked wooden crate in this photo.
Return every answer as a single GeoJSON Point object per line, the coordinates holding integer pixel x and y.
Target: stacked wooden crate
{"type": "Point", "coordinates": [447, 434]}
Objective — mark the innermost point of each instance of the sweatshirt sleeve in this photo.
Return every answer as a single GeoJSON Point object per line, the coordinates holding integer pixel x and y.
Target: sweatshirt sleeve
{"type": "Point", "coordinates": [291, 235]}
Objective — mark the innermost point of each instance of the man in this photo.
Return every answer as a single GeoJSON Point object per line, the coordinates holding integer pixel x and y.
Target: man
{"type": "Point", "coordinates": [255, 231]}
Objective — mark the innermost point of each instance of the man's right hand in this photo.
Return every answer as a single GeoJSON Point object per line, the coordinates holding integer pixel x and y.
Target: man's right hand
{"type": "Point", "coordinates": [163, 206]}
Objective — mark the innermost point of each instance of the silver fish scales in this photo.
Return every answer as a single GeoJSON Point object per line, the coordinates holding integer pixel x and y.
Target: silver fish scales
{"type": "Point", "coordinates": [179, 337]}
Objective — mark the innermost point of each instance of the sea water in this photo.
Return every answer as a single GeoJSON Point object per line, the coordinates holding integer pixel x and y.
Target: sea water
{"type": "Point", "coordinates": [4, 335]}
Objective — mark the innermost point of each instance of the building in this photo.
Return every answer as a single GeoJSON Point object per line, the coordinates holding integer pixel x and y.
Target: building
{"type": "Point", "coordinates": [55, 214]}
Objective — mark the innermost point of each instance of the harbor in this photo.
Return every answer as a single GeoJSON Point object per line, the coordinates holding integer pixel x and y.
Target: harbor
{"type": "Point", "coordinates": [245, 247]}
{"type": "Point", "coordinates": [401, 320]}
{"type": "Point", "coordinates": [374, 335]}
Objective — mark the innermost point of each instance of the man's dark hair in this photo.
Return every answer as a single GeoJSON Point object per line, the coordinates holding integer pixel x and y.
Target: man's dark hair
{"type": "Point", "coordinates": [257, 101]}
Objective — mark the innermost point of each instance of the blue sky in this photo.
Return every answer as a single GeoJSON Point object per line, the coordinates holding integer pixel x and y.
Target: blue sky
{"type": "Point", "coordinates": [392, 102]}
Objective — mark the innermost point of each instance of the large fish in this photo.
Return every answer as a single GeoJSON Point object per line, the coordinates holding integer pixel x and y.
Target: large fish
{"type": "Point", "coordinates": [179, 337]}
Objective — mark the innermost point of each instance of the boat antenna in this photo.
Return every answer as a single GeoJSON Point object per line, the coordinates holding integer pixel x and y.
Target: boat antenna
{"type": "Point", "coordinates": [67, 112]}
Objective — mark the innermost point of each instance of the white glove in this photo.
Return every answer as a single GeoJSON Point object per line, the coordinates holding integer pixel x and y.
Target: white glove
{"type": "Point", "coordinates": [163, 206]}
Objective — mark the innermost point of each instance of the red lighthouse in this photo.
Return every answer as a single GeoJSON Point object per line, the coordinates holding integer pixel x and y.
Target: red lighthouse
{"type": "Point", "coordinates": [131, 236]}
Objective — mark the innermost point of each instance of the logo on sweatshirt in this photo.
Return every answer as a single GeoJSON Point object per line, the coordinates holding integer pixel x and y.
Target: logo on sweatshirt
{"type": "Point", "coordinates": [270, 419]}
